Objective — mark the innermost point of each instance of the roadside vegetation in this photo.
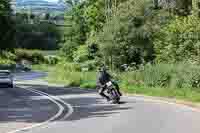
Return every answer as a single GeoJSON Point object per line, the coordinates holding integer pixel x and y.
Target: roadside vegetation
{"type": "Point", "coordinates": [24, 37]}
{"type": "Point", "coordinates": [150, 48]}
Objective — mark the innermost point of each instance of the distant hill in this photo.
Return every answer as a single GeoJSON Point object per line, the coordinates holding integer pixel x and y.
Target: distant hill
{"type": "Point", "coordinates": [39, 5]}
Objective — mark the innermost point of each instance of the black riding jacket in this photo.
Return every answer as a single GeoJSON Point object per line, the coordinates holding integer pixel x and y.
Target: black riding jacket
{"type": "Point", "coordinates": [103, 78]}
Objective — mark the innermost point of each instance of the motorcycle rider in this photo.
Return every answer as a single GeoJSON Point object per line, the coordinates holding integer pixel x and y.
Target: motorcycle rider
{"type": "Point", "coordinates": [102, 79]}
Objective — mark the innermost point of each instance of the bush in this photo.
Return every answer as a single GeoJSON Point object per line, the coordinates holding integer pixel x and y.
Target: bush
{"type": "Point", "coordinates": [68, 66]}
{"type": "Point", "coordinates": [88, 65]}
{"type": "Point", "coordinates": [7, 60]}
{"type": "Point", "coordinates": [51, 60]}
{"type": "Point", "coordinates": [7, 55]}
{"type": "Point", "coordinates": [34, 56]}
{"type": "Point", "coordinates": [81, 54]}
{"type": "Point", "coordinates": [179, 40]}
{"type": "Point", "coordinates": [7, 64]}
{"type": "Point", "coordinates": [70, 74]}
{"type": "Point", "coordinates": [127, 38]}
{"type": "Point", "coordinates": [164, 75]}
{"type": "Point", "coordinates": [68, 49]}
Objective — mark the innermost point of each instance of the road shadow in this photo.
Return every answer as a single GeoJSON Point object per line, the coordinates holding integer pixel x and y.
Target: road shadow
{"type": "Point", "coordinates": [86, 104]}
{"type": "Point", "coordinates": [122, 102]}
{"type": "Point", "coordinates": [20, 105]}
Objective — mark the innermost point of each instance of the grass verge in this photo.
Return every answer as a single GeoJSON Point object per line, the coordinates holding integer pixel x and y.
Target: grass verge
{"type": "Point", "coordinates": [186, 94]}
{"type": "Point", "coordinates": [43, 67]}
{"type": "Point", "coordinates": [130, 82]}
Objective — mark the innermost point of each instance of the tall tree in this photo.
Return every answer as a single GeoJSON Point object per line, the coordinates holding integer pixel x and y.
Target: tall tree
{"type": "Point", "coordinates": [183, 7]}
{"type": "Point", "coordinates": [156, 4]}
{"type": "Point", "coordinates": [6, 25]}
{"type": "Point", "coordinates": [47, 16]}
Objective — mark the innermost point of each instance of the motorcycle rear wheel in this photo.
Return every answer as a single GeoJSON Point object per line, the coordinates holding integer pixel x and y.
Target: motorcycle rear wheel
{"type": "Point", "coordinates": [115, 97]}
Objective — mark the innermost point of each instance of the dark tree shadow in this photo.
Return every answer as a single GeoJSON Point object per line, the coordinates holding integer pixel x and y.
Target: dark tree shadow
{"type": "Point", "coordinates": [86, 104]}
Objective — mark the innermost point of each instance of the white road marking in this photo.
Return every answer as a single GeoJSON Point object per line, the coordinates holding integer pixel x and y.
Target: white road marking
{"type": "Point", "coordinates": [70, 111]}
{"type": "Point", "coordinates": [151, 99]}
{"type": "Point", "coordinates": [129, 97]}
{"type": "Point", "coordinates": [139, 97]}
{"type": "Point", "coordinates": [61, 109]}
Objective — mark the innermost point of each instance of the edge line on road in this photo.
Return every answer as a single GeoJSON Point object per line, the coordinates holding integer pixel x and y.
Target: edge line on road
{"type": "Point", "coordinates": [161, 101]}
{"type": "Point", "coordinates": [70, 111]}
{"type": "Point", "coordinates": [53, 99]}
{"type": "Point", "coordinates": [152, 99]}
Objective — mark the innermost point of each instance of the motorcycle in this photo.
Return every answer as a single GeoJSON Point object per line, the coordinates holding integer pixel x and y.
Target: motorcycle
{"type": "Point", "coordinates": [112, 93]}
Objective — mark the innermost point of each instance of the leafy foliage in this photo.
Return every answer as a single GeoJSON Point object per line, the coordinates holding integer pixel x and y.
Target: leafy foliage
{"type": "Point", "coordinates": [179, 40]}
{"type": "Point", "coordinates": [34, 56]}
{"type": "Point", "coordinates": [81, 54]}
{"type": "Point", "coordinates": [68, 49]}
{"type": "Point", "coordinates": [164, 75]}
{"type": "Point", "coordinates": [7, 26]}
{"type": "Point", "coordinates": [51, 60]}
{"type": "Point", "coordinates": [87, 19]}
{"type": "Point", "coordinates": [94, 14]}
{"type": "Point", "coordinates": [44, 36]}
{"type": "Point", "coordinates": [126, 38]}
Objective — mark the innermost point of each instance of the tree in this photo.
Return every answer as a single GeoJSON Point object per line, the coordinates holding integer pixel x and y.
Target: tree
{"type": "Point", "coordinates": [126, 39]}
{"type": "Point", "coordinates": [32, 16]}
{"type": "Point", "coordinates": [87, 19]}
{"type": "Point", "coordinates": [156, 4]}
{"type": "Point", "coordinates": [44, 36]}
{"type": "Point", "coordinates": [94, 14]}
{"type": "Point", "coordinates": [47, 16]}
{"type": "Point", "coordinates": [183, 7]}
{"type": "Point", "coordinates": [76, 34]}
{"type": "Point", "coordinates": [179, 40]}
{"type": "Point", "coordinates": [6, 25]}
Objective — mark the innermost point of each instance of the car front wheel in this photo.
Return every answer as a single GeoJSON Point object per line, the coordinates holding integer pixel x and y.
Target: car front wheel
{"type": "Point", "coordinates": [10, 85]}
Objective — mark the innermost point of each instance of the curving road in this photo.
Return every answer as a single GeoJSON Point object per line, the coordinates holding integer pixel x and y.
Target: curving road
{"type": "Point", "coordinates": [76, 111]}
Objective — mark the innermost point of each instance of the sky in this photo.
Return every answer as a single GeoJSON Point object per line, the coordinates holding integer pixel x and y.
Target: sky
{"type": "Point", "coordinates": [52, 0]}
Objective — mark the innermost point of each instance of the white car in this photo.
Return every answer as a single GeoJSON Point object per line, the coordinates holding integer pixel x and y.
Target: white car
{"type": "Point", "coordinates": [6, 78]}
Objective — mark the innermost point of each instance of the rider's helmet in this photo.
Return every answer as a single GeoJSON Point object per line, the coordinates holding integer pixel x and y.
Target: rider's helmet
{"type": "Point", "coordinates": [103, 68]}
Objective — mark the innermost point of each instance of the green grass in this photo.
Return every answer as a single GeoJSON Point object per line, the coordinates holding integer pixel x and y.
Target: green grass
{"type": "Point", "coordinates": [84, 80]}
{"type": "Point", "coordinates": [137, 82]}
{"type": "Point", "coordinates": [187, 94]}
{"type": "Point", "coordinates": [43, 67]}
{"type": "Point", "coordinates": [50, 52]}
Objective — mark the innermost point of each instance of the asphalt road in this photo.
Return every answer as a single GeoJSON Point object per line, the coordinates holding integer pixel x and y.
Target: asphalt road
{"type": "Point", "coordinates": [72, 110]}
